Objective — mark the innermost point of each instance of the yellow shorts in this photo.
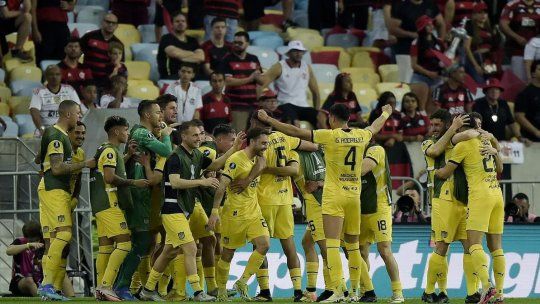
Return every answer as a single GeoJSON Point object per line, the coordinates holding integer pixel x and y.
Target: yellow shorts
{"type": "Point", "coordinates": [177, 232]}
{"type": "Point", "coordinates": [155, 210]}
{"type": "Point", "coordinates": [280, 220]}
{"type": "Point", "coordinates": [314, 219]}
{"type": "Point", "coordinates": [486, 215]}
{"type": "Point", "coordinates": [348, 208]}
{"type": "Point", "coordinates": [198, 223]}
{"type": "Point", "coordinates": [235, 233]}
{"type": "Point", "coordinates": [111, 222]}
{"type": "Point", "coordinates": [376, 227]}
{"type": "Point", "coordinates": [54, 210]}
{"type": "Point", "coordinates": [448, 221]}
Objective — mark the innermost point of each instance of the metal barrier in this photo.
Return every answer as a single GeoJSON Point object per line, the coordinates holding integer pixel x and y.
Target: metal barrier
{"type": "Point", "coordinates": [511, 188]}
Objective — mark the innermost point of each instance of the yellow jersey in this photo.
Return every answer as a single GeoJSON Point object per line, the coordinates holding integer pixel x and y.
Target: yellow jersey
{"type": "Point", "coordinates": [208, 152]}
{"type": "Point", "coordinates": [438, 188]}
{"type": "Point", "coordinates": [107, 158]}
{"type": "Point", "coordinates": [343, 152]}
{"type": "Point", "coordinates": [480, 170]}
{"type": "Point", "coordinates": [78, 157]}
{"type": "Point", "coordinates": [380, 174]}
{"type": "Point", "coordinates": [242, 205]}
{"type": "Point", "coordinates": [274, 189]}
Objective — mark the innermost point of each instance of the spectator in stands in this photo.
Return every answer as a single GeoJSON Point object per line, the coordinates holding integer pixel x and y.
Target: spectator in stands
{"type": "Point", "coordinates": [216, 47]}
{"type": "Point", "coordinates": [116, 65]}
{"type": "Point", "coordinates": [496, 114]}
{"type": "Point", "coordinates": [355, 13]}
{"type": "Point", "coordinates": [268, 101]}
{"type": "Point", "coordinates": [226, 9]}
{"type": "Point", "coordinates": [131, 11]}
{"type": "Point", "coordinates": [88, 96]}
{"type": "Point", "coordinates": [531, 53]}
{"type": "Point", "coordinates": [292, 77]}
{"type": "Point", "coordinates": [452, 94]}
{"type": "Point", "coordinates": [402, 24]}
{"type": "Point", "coordinates": [518, 210]}
{"type": "Point", "coordinates": [27, 253]}
{"type": "Point", "coordinates": [45, 101]}
{"type": "Point", "coordinates": [242, 74]}
{"type": "Point", "coordinates": [321, 14]}
{"type": "Point", "coordinates": [187, 94]}
{"type": "Point", "coordinates": [95, 46]}
{"type": "Point", "coordinates": [424, 61]}
{"type": "Point", "coordinates": [527, 108]}
{"type": "Point", "coordinates": [454, 11]}
{"type": "Point", "coordinates": [519, 22]}
{"type": "Point", "coordinates": [116, 96]}
{"type": "Point", "coordinates": [177, 47]}
{"type": "Point", "coordinates": [415, 215]}
{"type": "Point", "coordinates": [15, 17]}
{"type": "Point", "coordinates": [415, 124]}
{"type": "Point", "coordinates": [482, 45]}
{"type": "Point", "coordinates": [216, 106]}
{"type": "Point", "coordinates": [392, 131]}
{"type": "Point", "coordinates": [343, 93]}
{"type": "Point", "coordinates": [170, 6]}
{"type": "Point", "coordinates": [74, 73]}
{"type": "Point", "coordinates": [50, 32]}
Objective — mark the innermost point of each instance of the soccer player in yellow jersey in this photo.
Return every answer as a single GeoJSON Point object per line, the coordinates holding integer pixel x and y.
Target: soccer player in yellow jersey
{"type": "Point", "coordinates": [241, 217]}
{"type": "Point", "coordinates": [54, 192]}
{"type": "Point", "coordinates": [343, 149]}
{"type": "Point", "coordinates": [376, 221]}
{"type": "Point", "coordinates": [485, 214]}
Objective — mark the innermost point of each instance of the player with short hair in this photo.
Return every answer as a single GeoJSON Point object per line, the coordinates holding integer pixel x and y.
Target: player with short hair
{"type": "Point", "coordinates": [344, 148]}
{"type": "Point", "coordinates": [54, 192]}
{"type": "Point", "coordinates": [109, 196]}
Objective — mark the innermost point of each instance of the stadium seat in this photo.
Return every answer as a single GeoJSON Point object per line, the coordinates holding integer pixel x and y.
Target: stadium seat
{"type": "Point", "coordinates": [324, 90]}
{"type": "Point", "coordinates": [147, 52]}
{"type": "Point", "coordinates": [148, 34]}
{"type": "Point", "coordinates": [310, 38]}
{"type": "Point", "coordinates": [129, 35]}
{"type": "Point", "coordinates": [197, 34]}
{"type": "Point", "coordinates": [365, 96]}
{"type": "Point", "coordinates": [355, 49]}
{"type": "Point", "coordinates": [362, 60]}
{"type": "Point", "coordinates": [25, 73]}
{"type": "Point", "coordinates": [300, 17]}
{"type": "Point", "coordinates": [331, 55]}
{"type": "Point", "coordinates": [365, 75]}
{"type": "Point", "coordinates": [12, 129]}
{"type": "Point", "coordinates": [325, 73]}
{"type": "Point", "coordinates": [2, 76]}
{"type": "Point", "coordinates": [165, 82]}
{"type": "Point", "coordinates": [142, 90]}
{"type": "Point", "coordinates": [5, 94]}
{"type": "Point", "coordinates": [24, 87]}
{"type": "Point", "coordinates": [399, 89]}
{"type": "Point", "coordinates": [261, 34]}
{"type": "Point", "coordinates": [101, 3]}
{"type": "Point", "coordinates": [91, 14]}
{"type": "Point", "coordinates": [389, 72]}
{"type": "Point", "coordinates": [267, 57]}
{"type": "Point", "coordinates": [271, 42]}
{"type": "Point", "coordinates": [204, 85]}
{"type": "Point", "coordinates": [79, 29]}
{"type": "Point", "coordinates": [45, 63]}
{"type": "Point", "coordinates": [4, 109]}
{"type": "Point", "coordinates": [138, 70]}
{"type": "Point", "coordinates": [19, 104]}
{"type": "Point", "coordinates": [25, 123]}
{"type": "Point", "coordinates": [342, 40]}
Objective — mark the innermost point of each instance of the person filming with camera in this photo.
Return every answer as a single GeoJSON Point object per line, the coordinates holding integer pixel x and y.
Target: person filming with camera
{"type": "Point", "coordinates": [409, 209]}
{"type": "Point", "coordinates": [517, 211]}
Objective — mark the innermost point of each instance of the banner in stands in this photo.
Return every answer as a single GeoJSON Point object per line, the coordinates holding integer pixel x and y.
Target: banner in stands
{"type": "Point", "coordinates": [411, 248]}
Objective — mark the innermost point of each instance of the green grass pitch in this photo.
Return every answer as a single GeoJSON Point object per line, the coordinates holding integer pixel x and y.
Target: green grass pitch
{"type": "Point", "coordinates": [408, 301]}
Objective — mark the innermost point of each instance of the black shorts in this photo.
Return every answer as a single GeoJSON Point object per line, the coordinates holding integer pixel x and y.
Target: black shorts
{"type": "Point", "coordinates": [14, 286]}
{"type": "Point", "coordinates": [295, 112]}
{"type": "Point", "coordinates": [171, 6]}
{"type": "Point", "coordinates": [7, 26]}
{"type": "Point", "coordinates": [254, 9]}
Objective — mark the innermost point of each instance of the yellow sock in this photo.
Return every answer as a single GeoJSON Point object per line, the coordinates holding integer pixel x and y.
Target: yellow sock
{"type": "Point", "coordinates": [153, 279]}
{"type": "Point", "coordinates": [195, 282]}
{"type": "Point", "coordinates": [312, 269]}
{"type": "Point", "coordinates": [222, 274]}
{"type": "Point", "coordinates": [334, 263]}
{"type": "Point", "coordinates": [200, 270]}
{"type": "Point", "coordinates": [144, 269]}
{"type": "Point", "coordinates": [115, 261]}
{"type": "Point", "coordinates": [354, 264]}
{"type": "Point", "coordinates": [296, 278]}
{"type": "Point", "coordinates": [435, 269]}
{"type": "Point", "coordinates": [102, 260]}
{"type": "Point", "coordinates": [55, 256]}
{"type": "Point", "coordinates": [255, 261]}
{"type": "Point", "coordinates": [179, 277]}
{"type": "Point", "coordinates": [210, 278]}
{"type": "Point", "coordinates": [217, 257]}
{"type": "Point", "coordinates": [396, 288]}
{"type": "Point", "coordinates": [59, 280]}
{"type": "Point", "coordinates": [499, 269]}
{"type": "Point", "coordinates": [164, 280]}
{"type": "Point", "coordinates": [471, 281]}
{"type": "Point", "coordinates": [135, 282]}
{"type": "Point", "coordinates": [365, 279]}
{"type": "Point", "coordinates": [325, 273]}
{"type": "Point", "coordinates": [480, 263]}
{"type": "Point", "coordinates": [263, 279]}
{"type": "Point", "coordinates": [442, 280]}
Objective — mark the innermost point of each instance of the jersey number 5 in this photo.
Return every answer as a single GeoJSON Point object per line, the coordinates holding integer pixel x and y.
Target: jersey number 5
{"type": "Point", "coordinates": [489, 163]}
{"type": "Point", "coordinates": [350, 158]}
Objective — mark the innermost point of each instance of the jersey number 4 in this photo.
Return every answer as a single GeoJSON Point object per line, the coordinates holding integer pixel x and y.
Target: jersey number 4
{"type": "Point", "coordinates": [350, 158]}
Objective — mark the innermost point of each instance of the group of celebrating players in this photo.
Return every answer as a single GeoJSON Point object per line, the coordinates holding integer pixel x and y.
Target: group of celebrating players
{"type": "Point", "coordinates": [177, 203]}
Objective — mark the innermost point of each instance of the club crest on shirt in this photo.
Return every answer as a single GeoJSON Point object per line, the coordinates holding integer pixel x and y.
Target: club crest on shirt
{"type": "Point", "coordinates": [421, 123]}
{"type": "Point", "coordinates": [123, 225]}
{"type": "Point", "coordinates": [206, 152]}
{"type": "Point", "coordinates": [226, 240]}
{"type": "Point", "coordinates": [61, 218]}
{"type": "Point", "coordinates": [56, 144]}
{"type": "Point", "coordinates": [110, 156]}
{"type": "Point", "coordinates": [181, 235]}
{"type": "Point", "coordinates": [253, 65]}
{"type": "Point", "coordinates": [232, 165]}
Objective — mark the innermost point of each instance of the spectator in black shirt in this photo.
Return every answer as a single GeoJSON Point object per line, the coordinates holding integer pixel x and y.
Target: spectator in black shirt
{"type": "Point", "coordinates": [496, 114]}
{"type": "Point", "coordinates": [415, 124]}
{"type": "Point", "coordinates": [527, 109]}
{"type": "Point", "coordinates": [177, 47]}
{"type": "Point", "coordinates": [343, 93]}
{"type": "Point", "coordinates": [268, 101]}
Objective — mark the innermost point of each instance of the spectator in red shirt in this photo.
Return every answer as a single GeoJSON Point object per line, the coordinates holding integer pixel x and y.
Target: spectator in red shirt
{"type": "Point", "coordinates": [131, 11]}
{"type": "Point", "coordinates": [116, 65]}
{"type": "Point", "coordinates": [227, 9]}
{"type": "Point", "coordinates": [15, 17]}
{"type": "Point", "coordinates": [268, 101]}
{"type": "Point", "coordinates": [452, 94]}
{"type": "Point", "coordinates": [74, 73]}
{"type": "Point", "coordinates": [482, 45]}
{"type": "Point", "coordinates": [519, 20]}
{"type": "Point", "coordinates": [27, 253]}
{"type": "Point", "coordinates": [216, 47]}
{"type": "Point", "coordinates": [392, 130]}
{"type": "Point", "coordinates": [343, 93]}
{"type": "Point", "coordinates": [424, 62]}
{"type": "Point", "coordinates": [415, 124]}
{"type": "Point", "coordinates": [216, 106]}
